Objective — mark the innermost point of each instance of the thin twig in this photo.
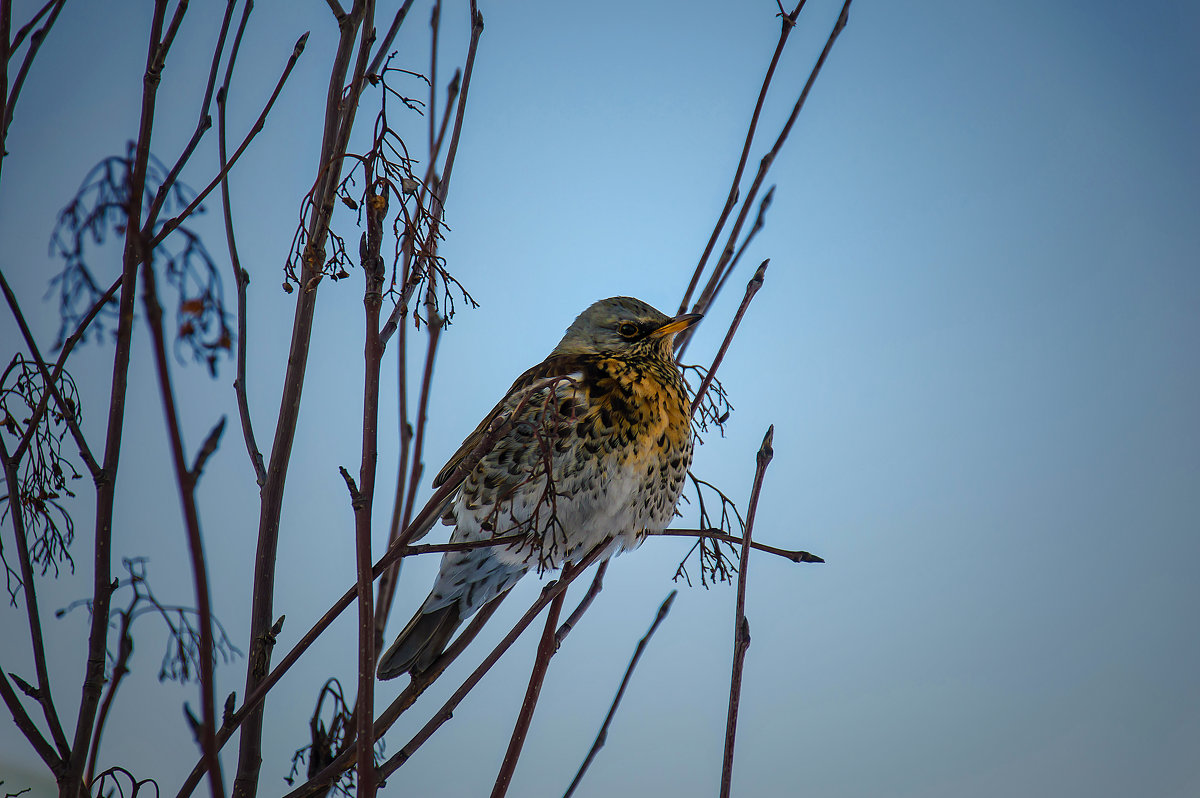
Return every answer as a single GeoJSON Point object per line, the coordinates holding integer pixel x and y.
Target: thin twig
{"type": "Point", "coordinates": [789, 22]}
{"type": "Point", "coordinates": [547, 647]}
{"type": "Point", "coordinates": [258, 658]}
{"type": "Point", "coordinates": [17, 513]}
{"type": "Point", "coordinates": [28, 727]}
{"type": "Point", "coordinates": [447, 710]}
{"type": "Point", "coordinates": [584, 604]}
{"type": "Point", "coordinates": [169, 226]}
{"type": "Point", "coordinates": [602, 735]}
{"type": "Point", "coordinates": [186, 481]}
{"type": "Point", "coordinates": [203, 123]}
{"type": "Point", "coordinates": [135, 252]}
{"type": "Point", "coordinates": [709, 292]}
{"type": "Point", "coordinates": [389, 37]}
{"type": "Point", "coordinates": [241, 278]}
{"type": "Point", "coordinates": [717, 534]}
{"type": "Point", "coordinates": [320, 782]}
{"type": "Point", "coordinates": [69, 412]}
{"type": "Point", "coordinates": [741, 627]}
{"type": "Point", "coordinates": [35, 43]}
{"type": "Point", "coordinates": [373, 270]}
{"type": "Point", "coordinates": [751, 289]}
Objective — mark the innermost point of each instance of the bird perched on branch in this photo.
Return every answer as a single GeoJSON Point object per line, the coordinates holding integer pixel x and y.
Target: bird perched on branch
{"type": "Point", "coordinates": [594, 445]}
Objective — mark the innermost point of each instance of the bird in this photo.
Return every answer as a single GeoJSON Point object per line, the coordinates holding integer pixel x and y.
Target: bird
{"type": "Point", "coordinates": [596, 448]}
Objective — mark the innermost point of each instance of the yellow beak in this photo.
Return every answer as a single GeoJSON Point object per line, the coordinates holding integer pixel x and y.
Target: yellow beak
{"type": "Point", "coordinates": [677, 324]}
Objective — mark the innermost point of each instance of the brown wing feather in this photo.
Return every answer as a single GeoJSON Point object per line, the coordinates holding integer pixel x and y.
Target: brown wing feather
{"type": "Point", "coordinates": [553, 366]}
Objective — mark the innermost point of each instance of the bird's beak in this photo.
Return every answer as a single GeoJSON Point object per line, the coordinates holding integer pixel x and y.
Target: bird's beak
{"type": "Point", "coordinates": [677, 324]}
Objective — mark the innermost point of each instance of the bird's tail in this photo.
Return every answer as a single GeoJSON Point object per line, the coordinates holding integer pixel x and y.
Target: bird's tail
{"type": "Point", "coordinates": [422, 641]}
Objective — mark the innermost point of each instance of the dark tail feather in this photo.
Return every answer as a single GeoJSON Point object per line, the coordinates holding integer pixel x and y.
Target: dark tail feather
{"type": "Point", "coordinates": [421, 642]}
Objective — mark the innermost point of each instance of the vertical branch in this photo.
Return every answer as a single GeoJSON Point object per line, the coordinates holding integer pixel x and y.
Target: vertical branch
{"type": "Point", "coordinates": [186, 479]}
{"type": "Point", "coordinates": [120, 670]}
{"type": "Point", "coordinates": [541, 663]}
{"type": "Point", "coordinates": [373, 269]}
{"type": "Point", "coordinates": [134, 253]}
{"type": "Point", "coordinates": [387, 582]}
{"type": "Point", "coordinates": [338, 122]}
{"type": "Point", "coordinates": [241, 278]}
{"type": "Point", "coordinates": [741, 626]}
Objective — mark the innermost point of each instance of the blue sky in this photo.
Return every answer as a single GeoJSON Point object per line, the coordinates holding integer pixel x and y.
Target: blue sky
{"type": "Point", "coordinates": [977, 342]}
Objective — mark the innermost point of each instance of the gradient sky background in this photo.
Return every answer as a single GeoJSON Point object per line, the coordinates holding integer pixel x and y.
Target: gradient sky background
{"type": "Point", "coordinates": [978, 342]}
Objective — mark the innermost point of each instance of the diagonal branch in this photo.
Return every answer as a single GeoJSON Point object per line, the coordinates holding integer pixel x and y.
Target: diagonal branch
{"type": "Point", "coordinates": [789, 22]}
{"type": "Point", "coordinates": [547, 647]}
{"type": "Point", "coordinates": [17, 512]}
{"type": "Point", "coordinates": [29, 728]}
{"type": "Point", "coordinates": [68, 411]}
{"type": "Point", "coordinates": [549, 592]}
{"type": "Point", "coordinates": [751, 289]}
{"type": "Point", "coordinates": [602, 735]}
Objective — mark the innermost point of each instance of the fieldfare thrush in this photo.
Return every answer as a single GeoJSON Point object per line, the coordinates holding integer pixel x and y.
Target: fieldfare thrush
{"type": "Point", "coordinates": [597, 446]}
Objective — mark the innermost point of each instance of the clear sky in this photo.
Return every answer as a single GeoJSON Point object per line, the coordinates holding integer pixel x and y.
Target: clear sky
{"type": "Point", "coordinates": [977, 341]}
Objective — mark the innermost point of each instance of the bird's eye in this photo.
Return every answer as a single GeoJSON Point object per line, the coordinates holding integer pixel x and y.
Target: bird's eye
{"type": "Point", "coordinates": [627, 329]}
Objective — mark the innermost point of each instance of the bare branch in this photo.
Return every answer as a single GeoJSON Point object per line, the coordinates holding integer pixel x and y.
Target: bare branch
{"type": "Point", "coordinates": [710, 288]}
{"type": "Point", "coordinates": [541, 663]}
{"type": "Point", "coordinates": [751, 289]}
{"type": "Point", "coordinates": [135, 253]}
{"type": "Point", "coordinates": [447, 710]}
{"type": "Point", "coordinates": [51, 381]}
{"type": "Point", "coordinates": [206, 450]}
{"type": "Point", "coordinates": [241, 277]}
{"type": "Point", "coordinates": [741, 627]}
{"type": "Point", "coordinates": [602, 735]}
{"type": "Point", "coordinates": [171, 224]}
{"type": "Point", "coordinates": [789, 22]}
{"type": "Point", "coordinates": [186, 481]}
{"type": "Point", "coordinates": [716, 534]}
{"type": "Point", "coordinates": [45, 696]}
{"type": "Point", "coordinates": [584, 604]}
{"type": "Point", "coordinates": [28, 727]}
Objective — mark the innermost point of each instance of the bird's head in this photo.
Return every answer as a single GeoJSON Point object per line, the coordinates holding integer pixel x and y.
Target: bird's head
{"type": "Point", "coordinates": [623, 327]}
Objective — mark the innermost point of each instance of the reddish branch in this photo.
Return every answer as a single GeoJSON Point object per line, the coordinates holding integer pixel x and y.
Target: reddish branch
{"type": "Point", "coordinates": [788, 22]}
{"type": "Point", "coordinates": [549, 592]}
{"type": "Point", "coordinates": [339, 119]}
{"type": "Point", "coordinates": [373, 269]}
{"type": "Point", "coordinates": [547, 647]}
{"type": "Point", "coordinates": [186, 479]}
{"type": "Point", "coordinates": [241, 278]}
{"type": "Point", "coordinates": [714, 280]}
{"type": "Point", "coordinates": [751, 289]}
{"type": "Point", "coordinates": [134, 253]}
{"type": "Point", "coordinates": [45, 696]}
{"type": "Point", "coordinates": [602, 735]}
{"type": "Point", "coordinates": [741, 627]}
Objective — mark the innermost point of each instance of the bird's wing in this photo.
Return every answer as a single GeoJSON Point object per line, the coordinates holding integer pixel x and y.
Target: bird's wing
{"type": "Point", "coordinates": [553, 367]}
